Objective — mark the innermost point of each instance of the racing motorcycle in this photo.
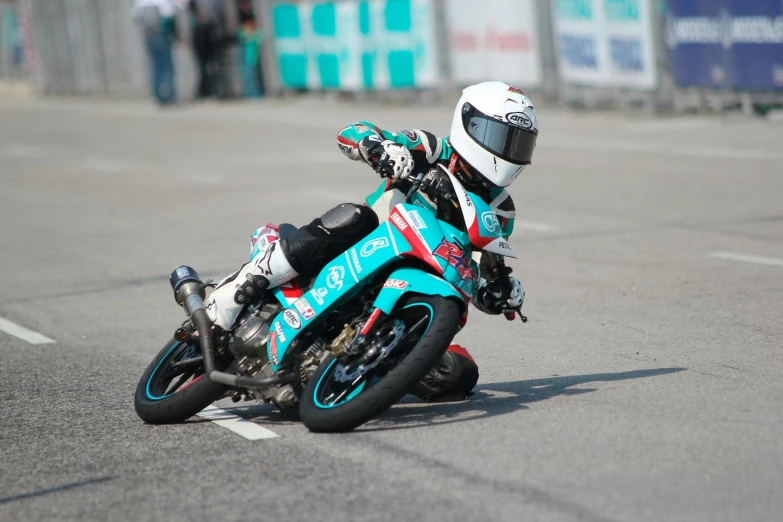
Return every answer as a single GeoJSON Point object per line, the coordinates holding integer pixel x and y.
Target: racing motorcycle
{"type": "Point", "coordinates": [340, 349]}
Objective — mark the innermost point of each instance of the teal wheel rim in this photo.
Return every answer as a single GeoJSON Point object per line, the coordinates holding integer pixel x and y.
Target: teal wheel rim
{"type": "Point", "coordinates": [329, 394]}
{"type": "Point", "coordinates": [165, 381]}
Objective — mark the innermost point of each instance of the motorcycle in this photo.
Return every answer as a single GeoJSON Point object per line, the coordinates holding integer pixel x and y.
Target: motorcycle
{"type": "Point", "coordinates": [344, 347]}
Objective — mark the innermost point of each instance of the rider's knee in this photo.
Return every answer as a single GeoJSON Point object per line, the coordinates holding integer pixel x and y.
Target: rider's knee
{"type": "Point", "coordinates": [348, 219]}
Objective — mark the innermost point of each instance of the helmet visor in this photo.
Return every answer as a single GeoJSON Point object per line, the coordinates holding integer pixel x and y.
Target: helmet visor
{"type": "Point", "coordinates": [508, 142]}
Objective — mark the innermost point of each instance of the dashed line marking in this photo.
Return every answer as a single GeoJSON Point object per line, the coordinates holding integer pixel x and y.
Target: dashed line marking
{"type": "Point", "coordinates": [744, 258]}
{"type": "Point", "coordinates": [20, 332]}
{"type": "Point", "coordinates": [243, 427]}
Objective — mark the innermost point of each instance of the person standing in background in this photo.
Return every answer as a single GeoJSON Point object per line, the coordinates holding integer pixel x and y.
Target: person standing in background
{"type": "Point", "coordinates": [158, 20]}
{"type": "Point", "coordinates": [249, 37]}
{"type": "Point", "coordinates": [208, 32]}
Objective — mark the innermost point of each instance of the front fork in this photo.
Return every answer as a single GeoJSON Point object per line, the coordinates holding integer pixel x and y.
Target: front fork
{"type": "Point", "coordinates": [351, 342]}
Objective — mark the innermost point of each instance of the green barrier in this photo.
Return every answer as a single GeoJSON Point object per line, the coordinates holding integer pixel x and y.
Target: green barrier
{"type": "Point", "coordinates": [370, 44]}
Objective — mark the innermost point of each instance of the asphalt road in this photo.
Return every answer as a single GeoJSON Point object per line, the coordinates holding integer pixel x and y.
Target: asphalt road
{"type": "Point", "coordinates": [646, 386]}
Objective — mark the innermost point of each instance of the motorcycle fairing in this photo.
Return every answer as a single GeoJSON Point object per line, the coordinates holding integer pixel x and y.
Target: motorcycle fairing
{"type": "Point", "coordinates": [410, 232]}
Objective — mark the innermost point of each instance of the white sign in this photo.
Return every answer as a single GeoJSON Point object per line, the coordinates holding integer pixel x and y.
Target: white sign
{"type": "Point", "coordinates": [606, 43]}
{"type": "Point", "coordinates": [494, 40]}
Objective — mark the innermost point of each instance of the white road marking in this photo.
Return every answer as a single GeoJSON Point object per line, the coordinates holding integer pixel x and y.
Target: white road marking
{"type": "Point", "coordinates": [535, 227]}
{"type": "Point", "coordinates": [23, 333]}
{"type": "Point", "coordinates": [744, 258]}
{"type": "Point", "coordinates": [245, 428]}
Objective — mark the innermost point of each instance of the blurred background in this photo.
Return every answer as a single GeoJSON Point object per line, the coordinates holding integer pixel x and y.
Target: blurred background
{"type": "Point", "coordinates": [656, 54]}
{"type": "Point", "coordinates": [647, 385]}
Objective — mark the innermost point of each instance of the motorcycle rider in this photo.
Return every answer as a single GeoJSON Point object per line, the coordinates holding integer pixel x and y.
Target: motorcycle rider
{"type": "Point", "coordinates": [493, 134]}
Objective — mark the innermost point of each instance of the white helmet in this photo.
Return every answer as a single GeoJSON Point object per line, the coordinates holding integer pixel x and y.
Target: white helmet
{"type": "Point", "coordinates": [494, 130]}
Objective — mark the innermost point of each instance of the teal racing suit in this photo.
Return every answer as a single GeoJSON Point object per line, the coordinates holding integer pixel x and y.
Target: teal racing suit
{"type": "Point", "coordinates": [427, 151]}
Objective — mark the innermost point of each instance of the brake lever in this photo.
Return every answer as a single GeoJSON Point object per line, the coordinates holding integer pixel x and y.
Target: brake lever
{"type": "Point", "coordinates": [415, 184]}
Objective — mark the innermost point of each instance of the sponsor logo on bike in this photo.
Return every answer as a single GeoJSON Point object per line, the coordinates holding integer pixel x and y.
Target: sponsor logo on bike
{"type": "Point", "coordinates": [468, 201]}
{"type": "Point", "coordinates": [291, 318]}
{"type": "Point", "coordinates": [490, 221]}
{"type": "Point", "coordinates": [334, 279]}
{"type": "Point", "coordinates": [416, 219]}
{"type": "Point", "coordinates": [396, 284]}
{"type": "Point", "coordinates": [355, 260]}
{"type": "Point", "coordinates": [273, 344]}
{"type": "Point", "coordinates": [318, 294]}
{"type": "Point", "coordinates": [370, 247]}
{"type": "Point", "coordinates": [304, 308]}
{"type": "Point", "coordinates": [279, 330]}
{"type": "Point", "coordinates": [398, 221]}
{"type": "Point", "coordinates": [455, 257]}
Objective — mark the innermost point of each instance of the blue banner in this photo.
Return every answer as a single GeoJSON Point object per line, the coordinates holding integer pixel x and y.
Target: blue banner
{"type": "Point", "coordinates": [726, 43]}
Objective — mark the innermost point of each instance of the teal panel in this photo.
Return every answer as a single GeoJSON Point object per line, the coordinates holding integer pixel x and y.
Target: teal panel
{"type": "Point", "coordinates": [418, 282]}
{"type": "Point", "coordinates": [368, 67]}
{"type": "Point", "coordinates": [324, 20]}
{"type": "Point", "coordinates": [397, 14]}
{"type": "Point", "coordinates": [286, 21]}
{"type": "Point", "coordinates": [364, 18]}
{"type": "Point", "coordinates": [329, 70]}
{"type": "Point", "coordinates": [401, 72]}
{"type": "Point", "coordinates": [293, 70]}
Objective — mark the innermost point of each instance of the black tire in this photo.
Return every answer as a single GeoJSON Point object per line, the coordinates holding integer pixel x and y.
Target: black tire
{"type": "Point", "coordinates": [382, 395]}
{"type": "Point", "coordinates": [189, 398]}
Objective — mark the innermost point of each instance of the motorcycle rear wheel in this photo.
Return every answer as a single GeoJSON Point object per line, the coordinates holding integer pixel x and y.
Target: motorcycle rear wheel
{"type": "Point", "coordinates": [359, 402]}
{"type": "Point", "coordinates": [167, 394]}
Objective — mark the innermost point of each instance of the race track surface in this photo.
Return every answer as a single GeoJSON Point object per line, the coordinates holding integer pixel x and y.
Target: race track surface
{"type": "Point", "coordinates": [646, 386]}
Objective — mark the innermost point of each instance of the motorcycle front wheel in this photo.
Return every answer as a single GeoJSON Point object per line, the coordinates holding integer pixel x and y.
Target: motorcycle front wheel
{"type": "Point", "coordinates": [172, 389]}
{"type": "Point", "coordinates": [340, 396]}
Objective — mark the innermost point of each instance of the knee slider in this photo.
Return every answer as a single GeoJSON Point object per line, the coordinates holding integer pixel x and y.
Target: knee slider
{"type": "Point", "coordinates": [345, 218]}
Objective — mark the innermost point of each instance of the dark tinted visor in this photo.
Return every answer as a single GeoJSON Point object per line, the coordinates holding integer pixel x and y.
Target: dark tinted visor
{"type": "Point", "coordinates": [502, 139]}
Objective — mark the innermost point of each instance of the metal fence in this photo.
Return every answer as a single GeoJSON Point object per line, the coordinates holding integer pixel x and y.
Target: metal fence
{"type": "Point", "coordinates": [653, 53]}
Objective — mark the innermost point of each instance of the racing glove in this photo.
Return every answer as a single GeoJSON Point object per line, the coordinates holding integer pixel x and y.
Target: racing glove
{"type": "Point", "coordinates": [496, 297]}
{"type": "Point", "coordinates": [387, 158]}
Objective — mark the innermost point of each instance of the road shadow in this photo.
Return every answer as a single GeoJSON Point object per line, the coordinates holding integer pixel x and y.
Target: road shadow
{"type": "Point", "coordinates": [58, 489]}
{"type": "Point", "coordinates": [490, 400]}
{"type": "Point", "coordinates": [495, 399]}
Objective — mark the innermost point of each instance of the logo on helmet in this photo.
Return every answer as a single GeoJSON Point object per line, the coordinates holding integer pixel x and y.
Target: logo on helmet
{"type": "Point", "coordinates": [519, 119]}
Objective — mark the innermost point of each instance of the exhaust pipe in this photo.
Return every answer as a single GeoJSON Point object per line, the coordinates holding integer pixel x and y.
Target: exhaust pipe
{"type": "Point", "coordinates": [189, 293]}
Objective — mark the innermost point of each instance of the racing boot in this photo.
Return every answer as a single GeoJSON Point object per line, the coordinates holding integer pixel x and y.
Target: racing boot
{"type": "Point", "coordinates": [268, 269]}
{"type": "Point", "coordinates": [451, 379]}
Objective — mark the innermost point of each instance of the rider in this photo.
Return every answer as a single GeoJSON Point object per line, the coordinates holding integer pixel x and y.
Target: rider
{"type": "Point", "coordinates": [493, 134]}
